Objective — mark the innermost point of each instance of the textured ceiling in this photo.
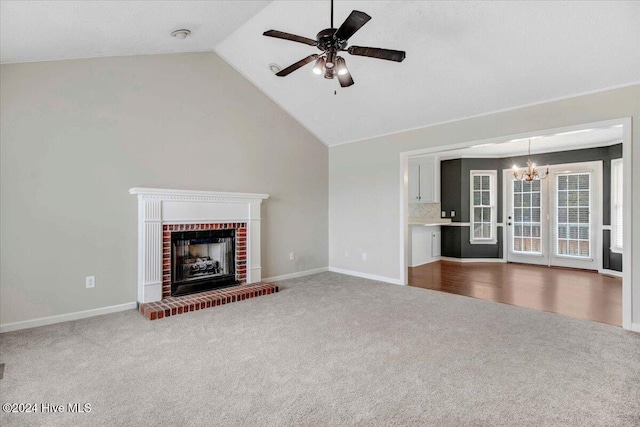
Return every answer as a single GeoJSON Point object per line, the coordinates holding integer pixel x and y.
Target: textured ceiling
{"type": "Point", "coordinates": [463, 58]}
{"type": "Point", "coordinates": [51, 30]}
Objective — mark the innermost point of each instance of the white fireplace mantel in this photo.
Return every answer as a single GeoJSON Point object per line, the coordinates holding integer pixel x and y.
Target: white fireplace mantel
{"type": "Point", "coordinates": [157, 207]}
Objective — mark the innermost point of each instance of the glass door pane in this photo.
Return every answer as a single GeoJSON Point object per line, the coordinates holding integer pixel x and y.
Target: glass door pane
{"type": "Point", "coordinates": [573, 198]}
{"type": "Point", "coordinates": [527, 206]}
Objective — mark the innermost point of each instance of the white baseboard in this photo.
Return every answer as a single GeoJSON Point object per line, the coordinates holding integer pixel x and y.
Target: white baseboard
{"type": "Point", "coordinates": [295, 275]}
{"type": "Point", "coordinates": [498, 260]}
{"type": "Point", "coordinates": [635, 327]}
{"type": "Point", "coordinates": [610, 272]}
{"type": "Point", "coordinates": [43, 321]}
{"type": "Point", "coordinates": [432, 260]}
{"type": "Point", "coordinates": [366, 276]}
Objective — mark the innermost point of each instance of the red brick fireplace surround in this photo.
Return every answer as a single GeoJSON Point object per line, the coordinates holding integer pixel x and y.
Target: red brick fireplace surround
{"type": "Point", "coordinates": [241, 248]}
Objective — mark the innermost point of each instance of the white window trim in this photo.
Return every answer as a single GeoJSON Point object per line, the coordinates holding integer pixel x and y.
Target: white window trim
{"type": "Point", "coordinates": [615, 247]}
{"type": "Point", "coordinates": [493, 174]}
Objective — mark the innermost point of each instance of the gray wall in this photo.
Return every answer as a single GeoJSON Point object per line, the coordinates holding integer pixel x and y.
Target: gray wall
{"type": "Point", "coordinates": [455, 240]}
{"type": "Point", "coordinates": [76, 135]}
{"type": "Point", "coordinates": [365, 185]}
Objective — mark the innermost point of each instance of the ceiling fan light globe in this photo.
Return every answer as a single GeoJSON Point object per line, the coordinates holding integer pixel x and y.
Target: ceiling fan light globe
{"type": "Point", "coordinates": [331, 59]}
{"type": "Point", "coordinates": [318, 68]}
{"type": "Point", "coordinates": [341, 66]}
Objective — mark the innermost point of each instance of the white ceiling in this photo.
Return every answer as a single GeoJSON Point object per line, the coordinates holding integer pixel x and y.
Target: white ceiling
{"type": "Point", "coordinates": [463, 58]}
{"type": "Point", "coordinates": [51, 29]}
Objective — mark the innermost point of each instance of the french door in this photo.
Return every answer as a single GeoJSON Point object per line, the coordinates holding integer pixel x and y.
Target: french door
{"type": "Point", "coordinates": [555, 221]}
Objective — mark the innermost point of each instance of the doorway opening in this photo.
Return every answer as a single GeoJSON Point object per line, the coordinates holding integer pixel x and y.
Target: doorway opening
{"type": "Point", "coordinates": [567, 225]}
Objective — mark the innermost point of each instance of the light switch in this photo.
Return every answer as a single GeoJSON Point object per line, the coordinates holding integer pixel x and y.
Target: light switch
{"type": "Point", "coordinates": [453, 214]}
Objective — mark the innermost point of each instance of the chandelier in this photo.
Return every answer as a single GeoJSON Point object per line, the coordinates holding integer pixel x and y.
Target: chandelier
{"type": "Point", "coordinates": [531, 173]}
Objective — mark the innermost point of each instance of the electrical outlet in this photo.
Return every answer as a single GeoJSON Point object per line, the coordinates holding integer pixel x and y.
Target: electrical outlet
{"type": "Point", "coordinates": [453, 214]}
{"type": "Point", "coordinates": [364, 256]}
{"type": "Point", "coordinates": [292, 256]}
{"type": "Point", "coordinates": [346, 254]}
{"type": "Point", "coordinates": [90, 281]}
{"type": "Point", "coordinates": [443, 214]}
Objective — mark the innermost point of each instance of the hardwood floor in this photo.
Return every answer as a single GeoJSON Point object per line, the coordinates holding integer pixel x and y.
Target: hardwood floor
{"type": "Point", "coordinates": [575, 293]}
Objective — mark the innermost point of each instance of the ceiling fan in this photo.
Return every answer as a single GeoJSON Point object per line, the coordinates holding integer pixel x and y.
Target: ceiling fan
{"type": "Point", "coordinates": [331, 42]}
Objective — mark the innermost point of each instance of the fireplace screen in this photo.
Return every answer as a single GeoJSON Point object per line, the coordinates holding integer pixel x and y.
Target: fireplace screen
{"type": "Point", "coordinates": [202, 260]}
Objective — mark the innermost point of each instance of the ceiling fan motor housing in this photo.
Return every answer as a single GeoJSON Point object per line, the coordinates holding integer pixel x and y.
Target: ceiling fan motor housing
{"type": "Point", "coordinates": [326, 40]}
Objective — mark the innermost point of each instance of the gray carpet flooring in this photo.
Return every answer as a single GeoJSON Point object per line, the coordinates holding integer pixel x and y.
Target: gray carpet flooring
{"type": "Point", "coordinates": [329, 350]}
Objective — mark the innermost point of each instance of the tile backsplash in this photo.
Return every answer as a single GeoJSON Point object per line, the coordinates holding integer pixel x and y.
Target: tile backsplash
{"type": "Point", "coordinates": [424, 210]}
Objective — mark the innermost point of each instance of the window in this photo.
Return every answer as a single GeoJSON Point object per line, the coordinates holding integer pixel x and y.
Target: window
{"type": "Point", "coordinates": [527, 217]}
{"type": "Point", "coordinates": [573, 214]}
{"type": "Point", "coordinates": [616, 205]}
{"type": "Point", "coordinates": [483, 207]}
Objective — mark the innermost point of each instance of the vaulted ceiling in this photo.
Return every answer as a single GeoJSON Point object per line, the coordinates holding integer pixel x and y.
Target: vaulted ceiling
{"type": "Point", "coordinates": [463, 58]}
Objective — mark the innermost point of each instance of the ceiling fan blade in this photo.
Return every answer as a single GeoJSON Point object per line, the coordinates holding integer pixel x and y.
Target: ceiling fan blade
{"type": "Point", "coordinates": [291, 68]}
{"type": "Point", "coordinates": [286, 36]}
{"type": "Point", "coordinates": [345, 79]}
{"type": "Point", "coordinates": [353, 23]}
{"type": "Point", "coordinates": [376, 52]}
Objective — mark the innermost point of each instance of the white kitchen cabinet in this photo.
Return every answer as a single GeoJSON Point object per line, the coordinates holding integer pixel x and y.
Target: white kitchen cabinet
{"type": "Point", "coordinates": [436, 239]}
{"type": "Point", "coordinates": [424, 180]}
{"type": "Point", "coordinates": [425, 244]}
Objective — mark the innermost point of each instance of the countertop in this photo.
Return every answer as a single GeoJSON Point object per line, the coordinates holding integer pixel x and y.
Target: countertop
{"type": "Point", "coordinates": [426, 222]}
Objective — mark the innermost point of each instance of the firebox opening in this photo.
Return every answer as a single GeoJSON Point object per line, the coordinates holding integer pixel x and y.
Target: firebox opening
{"type": "Point", "coordinates": [202, 260]}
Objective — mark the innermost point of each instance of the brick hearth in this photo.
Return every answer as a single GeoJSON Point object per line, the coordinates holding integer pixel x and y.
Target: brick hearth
{"type": "Point", "coordinates": [171, 306]}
